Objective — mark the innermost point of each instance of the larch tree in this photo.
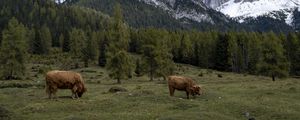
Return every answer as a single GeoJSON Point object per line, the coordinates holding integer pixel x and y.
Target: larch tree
{"type": "Point", "coordinates": [272, 61]}
{"type": "Point", "coordinates": [13, 51]}
{"type": "Point", "coordinates": [291, 45]}
{"type": "Point", "coordinates": [90, 51]}
{"type": "Point", "coordinates": [119, 62]}
{"type": "Point", "coordinates": [46, 40]}
{"type": "Point", "coordinates": [77, 45]}
{"type": "Point", "coordinates": [157, 55]}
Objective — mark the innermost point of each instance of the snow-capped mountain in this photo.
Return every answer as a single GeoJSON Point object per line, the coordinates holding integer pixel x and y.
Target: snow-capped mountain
{"type": "Point", "coordinates": [194, 10]}
{"type": "Point", "coordinates": [242, 9]}
{"type": "Point", "coordinates": [214, 3]}
{"type": "Point", "coordinates": [59, 1]}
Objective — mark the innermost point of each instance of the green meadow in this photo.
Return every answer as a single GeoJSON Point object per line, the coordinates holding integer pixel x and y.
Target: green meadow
{"type": "Point", "coordinates": [229, 97]}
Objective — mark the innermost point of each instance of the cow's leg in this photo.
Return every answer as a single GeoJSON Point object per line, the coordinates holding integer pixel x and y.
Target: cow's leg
{"type": "Point", "coordinates": [48, 92]}
{"type": "Point", "coordinates": [172, 90]}
{"type": "Point", "coordinates": [50, 95]}
{"type": "Point", "coordinates": [74, 93]}
{"type": "Point", "coordinates": [187, 95]}
{"type": "Point", "coordinates": [51, 92]}
{"type": "Point", "coordinates": [54, 90]}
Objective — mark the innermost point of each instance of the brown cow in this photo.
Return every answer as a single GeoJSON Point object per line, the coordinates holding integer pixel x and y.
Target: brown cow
{"type": "Point", "coordinates": [183, 84]}
{"type": "Point", "coordinates": [64, 80]}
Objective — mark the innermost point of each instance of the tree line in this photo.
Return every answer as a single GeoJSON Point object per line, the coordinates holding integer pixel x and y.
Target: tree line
{"type": "Point", "coordinates": [109, 45]}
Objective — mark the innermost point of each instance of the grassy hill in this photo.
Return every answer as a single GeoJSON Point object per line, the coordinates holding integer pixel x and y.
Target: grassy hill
{"type": "Point", "coordinates": [229, 97]}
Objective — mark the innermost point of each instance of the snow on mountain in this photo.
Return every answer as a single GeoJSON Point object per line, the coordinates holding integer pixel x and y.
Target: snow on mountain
{"type": "Point", "coordinates": [242, 9]}
{"type": "Point", "coordinates": [59, 1]}
{"type": "Point", "coordinates": [214, 3]}
{"type": "Point", "coordinates": [194, 10]}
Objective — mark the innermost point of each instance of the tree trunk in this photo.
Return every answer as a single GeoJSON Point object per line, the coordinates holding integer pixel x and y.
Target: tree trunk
{"type": "Point", "coordinates": [151, 77]}
{"type": "Point", "coordinates": [119, 81]}
{"type": "Point", "coordinates": [151, 72]}
{"type": "Point", "coordinates": [273, 77]}
{"type": "Point", "coordinates": [86, 63]}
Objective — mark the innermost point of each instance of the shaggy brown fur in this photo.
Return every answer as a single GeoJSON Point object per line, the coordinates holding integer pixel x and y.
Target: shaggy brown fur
{"type": "Point", "coordinates": [64, 80]}
{"type": "Point", "coordinates": [183, 84]}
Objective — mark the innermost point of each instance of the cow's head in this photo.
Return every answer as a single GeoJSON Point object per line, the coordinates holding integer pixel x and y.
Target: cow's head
{"type": "Point", "coordinates": [81, 90]}
{"type": "Point", "coordinates": [196, 90]}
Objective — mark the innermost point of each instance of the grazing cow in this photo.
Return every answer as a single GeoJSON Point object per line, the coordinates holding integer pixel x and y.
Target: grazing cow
{"type": "Point", "coordinates": [183, 84]}
{"type": "Point", "coordinates": [64, 80]}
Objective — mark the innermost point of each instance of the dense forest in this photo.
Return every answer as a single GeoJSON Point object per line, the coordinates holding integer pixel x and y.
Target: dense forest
{"type": "Point", "coordinates": [37, 27]}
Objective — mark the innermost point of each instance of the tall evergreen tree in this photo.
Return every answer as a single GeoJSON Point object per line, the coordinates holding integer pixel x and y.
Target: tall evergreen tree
{"type": "Point", "coordinates": [221, 56]}
{"type": "Point", "coordinates": [46, 40]}
{"type": "Point", "coordinates": [119, 63]}
{"type": "Point", "coordinates": [291, 45]}
{"type": "Point", "coordinates": [255, 40]}
{"type": "Point", "coordinates": [185, 49]}
{"type": "Point", "coordinates": [13, 50]}
{"type": "Point", "coordinates": [77, 42]}
{"type": "Point", "coordinates": [138, 68]}
{"type": "Point", "coordinates": [157, 54]}
{"type": "Point", "coordinates": [103, 49]}
{"type": "Point", "coordinates": [272, 62]}
{"type": "Point", "coordinates": [90, 51]}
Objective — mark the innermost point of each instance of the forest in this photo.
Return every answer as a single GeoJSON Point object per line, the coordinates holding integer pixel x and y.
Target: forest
{"type": "Point", "coordinates": [36, 27]}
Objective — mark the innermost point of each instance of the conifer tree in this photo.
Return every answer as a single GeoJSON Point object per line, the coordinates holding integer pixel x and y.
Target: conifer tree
{"type": "Point", "coordinates": [77, 45]}
{"type": "Point", "coordinates": [90, 51]}
{"type": "Point", "coordinates": [272, 61]}
{"type": "Point", "coordinates": [119, 62]}
{"type": "Point", "coordinates": [103, 49]}
{"type": "Point", "coordinates": [185, 48]}
{"type": "Point", "coordinates": [138, 68]}
{"type": "Point", "coordinates": [46, 40]}
{"type": "Point", "coordinates": [157, 55]}
{"type": "Point", "coordinates": [13, 51]}
{"type": "Point", "coordinates": [291, 45]}
{"type": "Point", "coordinates": [119, 65]}
{"type": "Point", "coordinates": [221, 56]}
{"type": "Point", "coordinates": [255, 40]}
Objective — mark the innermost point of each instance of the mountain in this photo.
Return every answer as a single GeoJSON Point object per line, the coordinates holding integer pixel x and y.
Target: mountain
{"type": "Point", "coordinates": [214, 3]}
{"type": "Point", "coordinates": [194, 10]}
{"type": "Point", "coordinates": [170, 14]}
{"type": "Point", "coordinates": [243, 9]}
{"type": "Point", "coordinates": [222, 15]}
{"type": "Point", "coordinates": [296, 20]}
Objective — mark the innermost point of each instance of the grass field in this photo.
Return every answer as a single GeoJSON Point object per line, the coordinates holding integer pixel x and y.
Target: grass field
{"type": "Point", "coordinates": [231, 97]}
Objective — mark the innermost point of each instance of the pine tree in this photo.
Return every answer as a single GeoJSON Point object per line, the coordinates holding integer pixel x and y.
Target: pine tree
{"type": "Point", "coordinates": [233, 50]}
{"type": "Point", "coordinates": [13, 50]}
{"type": "Point", "coordinates": [46, 40]}
{"type": "Point", "coordinates": [138, 68]}
{"type": "Point", "coordinates": [90, 51]}
{"type": "Point", "coordinates": [255, 40]}
{"type": "Point", "coordinates": [185, 48]}
{"type": "Point", "coordinates": [291, 45]}
{"type": "Point", "coordinates": [102, 50]}
{"type": "Point", "coordinates": [119, 63]}
{"type": "Point", "coordinates": [221, 56]}
{"type": "Point", "coordinates": [272, 62]}
{"type": "Point", "coordinates": [157, 55]}
{"type": "Point", "coordinates": [77, 43]}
